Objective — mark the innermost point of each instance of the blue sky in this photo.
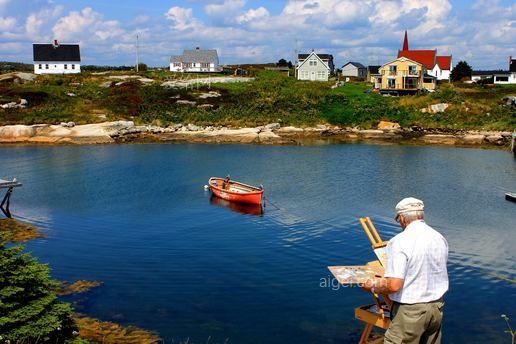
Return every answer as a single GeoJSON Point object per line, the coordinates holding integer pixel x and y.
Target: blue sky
{"type": "Point", "coordinates": [482, 32]}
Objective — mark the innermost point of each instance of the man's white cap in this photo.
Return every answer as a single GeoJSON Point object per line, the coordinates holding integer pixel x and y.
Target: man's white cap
{"type": "Point", "coordinates": [409, 204]}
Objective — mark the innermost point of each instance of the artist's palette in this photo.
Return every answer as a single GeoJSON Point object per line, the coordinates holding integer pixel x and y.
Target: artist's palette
{"type": "Point", "coordinates": [355, 274]}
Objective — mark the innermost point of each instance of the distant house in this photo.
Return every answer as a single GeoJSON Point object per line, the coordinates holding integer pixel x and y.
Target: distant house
{"type": "Point", "coordinates": [314, 67]}
{"type": "Point", "coordinates": [437, 66]}
{"type": "Point", "coordinates": [354, 69]}
{"type": "Point", "coordinates": [497, 76]}
{"type": "Point", "coordinates": [373, 75]}
{"type": "Point", "coordinates": [56, 58]}
{"type": "Point", "coordinates": [405, 76]}
{"type": "Point", "coordinates": [197, 60]}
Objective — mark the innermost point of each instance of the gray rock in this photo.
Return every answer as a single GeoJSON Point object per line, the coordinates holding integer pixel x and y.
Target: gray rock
{"type": "Point", "coordinates": [68, 124]}
{"type": "Point", "coordinates": [70, 94]}
{"type": "Point", "coordinates": [186, 102]}
{"type": "Point", "coordinates": [205, 106]}
{"type": "Point", "coordinates": [322, 127]}
{"type": "Point", "coordinates": [10, 105]}
{"type": "Point", "coordinates": [106, 84]}
{"type": "Point", "coordinates": [177, 126]}
{"type": "Point", "coordinates": [24, 102]}
{"type": "Point", "coordinates": [272, 126]}
{"type": "Point", "coordinates": [192, 127]}
{"type": "Point", "coordinates": [439, 107]}
{"type": "Point", "coordinates": [496, 139]}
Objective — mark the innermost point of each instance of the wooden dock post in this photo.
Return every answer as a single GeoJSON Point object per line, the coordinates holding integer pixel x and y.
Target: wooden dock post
{"type": "Point", "coordinates": [6, 201]}
{"type": "Point", "coordinates": [513, 144]}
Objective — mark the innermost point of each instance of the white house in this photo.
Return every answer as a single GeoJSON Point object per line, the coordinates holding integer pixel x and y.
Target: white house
{"type": "Point", "coordinates": [314, 67]}
{"type": "Point", "coordinates": [498, 76]}
{"type": "Point", "coordinates": [197, 60]}
{"type": "Point", "coordinates": [56, 58]}
{"type": "Point", "coordinates": [442, 68]}
{"type": "Point", "coordinates": [354, 69]}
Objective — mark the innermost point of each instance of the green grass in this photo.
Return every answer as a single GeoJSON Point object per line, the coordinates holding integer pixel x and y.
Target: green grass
{"type": "Point", "coordinates": [271, 97]}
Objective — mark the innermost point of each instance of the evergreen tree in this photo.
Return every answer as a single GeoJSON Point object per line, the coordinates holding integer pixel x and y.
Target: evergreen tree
{"type": "Point", "coordinates": [29, 309]}
{"type": "Point", "coordinates": [460, 71]}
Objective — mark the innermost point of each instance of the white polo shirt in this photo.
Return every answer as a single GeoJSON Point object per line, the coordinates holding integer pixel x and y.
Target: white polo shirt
{"type": "Point", "coordinates": [418, 255]}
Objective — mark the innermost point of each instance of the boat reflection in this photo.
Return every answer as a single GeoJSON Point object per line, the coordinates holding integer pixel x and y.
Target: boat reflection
{"type": "Point", "coordinates": [242, 208]}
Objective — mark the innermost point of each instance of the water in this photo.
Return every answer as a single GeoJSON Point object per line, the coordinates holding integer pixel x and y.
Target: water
{"type": "Point", "coordinates": [137, 218]}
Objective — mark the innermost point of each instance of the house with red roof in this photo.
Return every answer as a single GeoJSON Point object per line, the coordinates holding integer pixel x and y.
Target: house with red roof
{"type": "Point", "coordinates": [437, 66]}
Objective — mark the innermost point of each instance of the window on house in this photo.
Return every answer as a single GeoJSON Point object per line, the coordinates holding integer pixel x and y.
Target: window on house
{"type": "Point", "coordinates": [40, 66]}
{"type": "Point", "coordinates": [502, 78]}
{"type": "Point", "coordinates": [412, 70]}
{"type": "Point", "coordinates": [73, 66]}
{"type": "Point", "coordinates": [320, 75]}
{"type": "Point", "coordinates": [391, 83]}
{"type": "Point", "coordinates": [65, 66]}
{"type": "Point", "coordinates": [313, 62]}
{"type": "Point", "coordinates": [411, 83]}
{"type": "Point", "coordinates": [393, 69]}
{"type": "Point", "coordinates": [46, 66]}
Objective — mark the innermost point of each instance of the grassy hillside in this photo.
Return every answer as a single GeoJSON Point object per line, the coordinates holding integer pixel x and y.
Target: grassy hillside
{"type": "Point", "coordinates": [272, 97]}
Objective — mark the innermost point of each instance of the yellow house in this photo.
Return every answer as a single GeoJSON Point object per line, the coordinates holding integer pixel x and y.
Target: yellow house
{"type": "Point", "coordinates": [404, 76]}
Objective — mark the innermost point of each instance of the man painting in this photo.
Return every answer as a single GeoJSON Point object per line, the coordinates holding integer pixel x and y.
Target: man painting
{"type": "Point", "coordinates": [415, 278]}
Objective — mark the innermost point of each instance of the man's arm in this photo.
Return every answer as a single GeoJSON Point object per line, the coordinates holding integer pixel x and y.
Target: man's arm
{"type": "Point", "coordinates": [387, 285]}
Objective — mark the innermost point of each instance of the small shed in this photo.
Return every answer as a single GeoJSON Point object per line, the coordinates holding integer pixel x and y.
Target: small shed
{"type": "Point", "coordinates": [354, 69]}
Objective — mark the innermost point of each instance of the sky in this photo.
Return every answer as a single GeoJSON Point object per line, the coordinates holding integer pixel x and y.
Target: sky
{"type": "Point", "coordinates": [482, 32]}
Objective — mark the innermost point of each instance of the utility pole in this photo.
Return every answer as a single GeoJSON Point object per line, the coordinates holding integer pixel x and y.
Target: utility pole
{"type": "Point", "coordinates": [137, 54]}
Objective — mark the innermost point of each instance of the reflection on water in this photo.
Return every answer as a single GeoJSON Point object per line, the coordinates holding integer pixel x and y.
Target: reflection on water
{"type": "Point", "coordinates": [242, 208]}
{"type": "Point", "coordinates": [136, 218]}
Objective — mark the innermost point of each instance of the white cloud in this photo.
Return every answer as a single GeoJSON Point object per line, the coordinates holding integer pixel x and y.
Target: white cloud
{"type": "Point", "coordinates": [253, 14]}
{"type": "Point", "coordinates": [7, 23]}
{"type": "Point", "coordinates": [74, 24]}
{"type": "Point", "coordinates": [181, 18]}
{"type": "Point", "coordinates": [225, 10]}
{"type": "Point", "coordinates": [108, 29]}
{"type": "Point", "coordinates": [35, 22]}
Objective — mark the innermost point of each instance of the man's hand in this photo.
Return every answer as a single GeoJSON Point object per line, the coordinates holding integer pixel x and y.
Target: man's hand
{"type": "Point", "coordinates": [387, 285]}
{"type": "Point", "coordinates": [369, 284]}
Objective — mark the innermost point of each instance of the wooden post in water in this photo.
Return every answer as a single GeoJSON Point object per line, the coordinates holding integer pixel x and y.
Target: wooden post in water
{"type": "Point", "coordinates": [9, 185]}
{"type": "Point", "coordinates": [513, 144]}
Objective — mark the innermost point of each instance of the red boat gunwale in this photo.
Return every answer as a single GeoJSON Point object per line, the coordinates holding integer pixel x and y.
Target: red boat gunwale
{"type": "Point", "coordinates": [249, 194]}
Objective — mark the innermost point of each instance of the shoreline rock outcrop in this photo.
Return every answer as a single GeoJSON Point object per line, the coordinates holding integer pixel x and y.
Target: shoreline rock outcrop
{"type": "Point", "coordinates": [274, 133]}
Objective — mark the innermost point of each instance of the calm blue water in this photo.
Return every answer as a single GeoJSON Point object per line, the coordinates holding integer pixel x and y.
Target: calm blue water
{"type": "Point", "coordinates": [137, 218]}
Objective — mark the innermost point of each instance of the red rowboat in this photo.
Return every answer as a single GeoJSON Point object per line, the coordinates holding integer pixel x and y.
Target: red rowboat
{"type": "Point", "coordinates": [235, 191]}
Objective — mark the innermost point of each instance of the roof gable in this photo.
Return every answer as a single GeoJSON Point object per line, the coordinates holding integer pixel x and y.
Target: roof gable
{"type": "Point", "coordinates": [425, 57]}
{"type": "Point", "coordinates": [356, 64]}
{"type": "Point", "coordinates": [444, 62]}
{"type": "Point", "coordinates": [401, 59]}
{"type": "Point", "coordinates": [60, 53]}
{"type": "Point", "coordinates": [318, 57]}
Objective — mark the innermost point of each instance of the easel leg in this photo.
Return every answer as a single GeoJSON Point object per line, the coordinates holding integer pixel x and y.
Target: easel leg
{"type": "Point", "coordinates": [365, 334]}
{"type": "Point", "coordinates": [6, 201]}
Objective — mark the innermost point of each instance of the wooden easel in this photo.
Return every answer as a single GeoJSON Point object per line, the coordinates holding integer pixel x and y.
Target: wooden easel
{"type": "Point", "coordinates": [379, 319]}
{"type": "Point", "coordinates": [378, 313]}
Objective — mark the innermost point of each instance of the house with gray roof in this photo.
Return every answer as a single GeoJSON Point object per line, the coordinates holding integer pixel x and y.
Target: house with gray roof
{"type": "Point", "coordinates": [354, 69]}
{"type": "Point", "coordinates": [56, 58]}
{"type": "Point", "coordinates": [197, 60]}
{"type": "Point", "coordinates": [314, 67]}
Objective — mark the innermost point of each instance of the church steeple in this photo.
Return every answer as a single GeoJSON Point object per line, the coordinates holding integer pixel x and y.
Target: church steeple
{"type": "Point", "coordinates": [405, 42]}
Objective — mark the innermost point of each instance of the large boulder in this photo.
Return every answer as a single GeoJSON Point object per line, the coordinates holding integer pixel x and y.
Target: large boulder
{"type": "Point", "coordinates": [434, 108]}
{"type": "Point", "coordinates": [385, 125]}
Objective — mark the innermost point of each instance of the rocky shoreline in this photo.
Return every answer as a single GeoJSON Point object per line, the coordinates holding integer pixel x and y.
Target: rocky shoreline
{"type": "Point", "coordinates": [128, 132]}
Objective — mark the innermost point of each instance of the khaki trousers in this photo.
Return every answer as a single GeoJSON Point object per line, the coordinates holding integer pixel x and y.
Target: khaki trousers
{"type": "Point", "coordinates": [416, 323]}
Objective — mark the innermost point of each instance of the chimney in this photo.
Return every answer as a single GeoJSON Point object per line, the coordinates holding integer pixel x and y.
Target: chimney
{"type": "Point", "coordinates": [55, 43]}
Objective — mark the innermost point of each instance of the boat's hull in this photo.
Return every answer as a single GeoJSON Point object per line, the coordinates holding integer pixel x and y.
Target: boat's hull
{"type": "Point", "coordinates": [510, 196]}
{"type": "Point", "coordinates": [237, 192]}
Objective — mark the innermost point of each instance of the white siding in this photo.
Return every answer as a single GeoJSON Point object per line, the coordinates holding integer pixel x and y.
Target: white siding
{"type": "Point", "coordinates": [313, 69]}
{"type": "Point", "coordinates": [57, 67]}
{"type": "Point", "coordinates": [192, 67]}
{"type": "Point", "coordinates": [440, 74]}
